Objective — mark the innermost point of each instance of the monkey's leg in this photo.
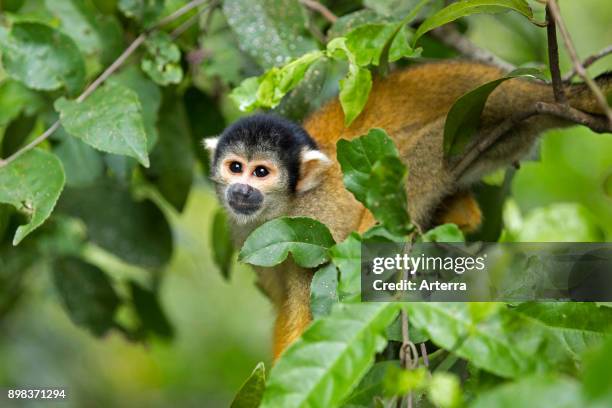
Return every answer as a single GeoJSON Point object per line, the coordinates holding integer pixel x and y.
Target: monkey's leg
{"type": "Point", "coordinates": [294, 312]}
{"type": "Point", "coordinates": [462, 209]}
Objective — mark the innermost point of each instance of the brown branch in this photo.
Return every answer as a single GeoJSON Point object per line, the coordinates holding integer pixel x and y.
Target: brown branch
{"type": "Point", "coordinates": [553, 59]}
{"type": "Point", "coordinates": [105, 75]}
{"type": "Point", "coordinates": [321, 9]}
{"type": "Point", "coordinates": [567, 39]}
{"type": "Point", "coordinates": [595, 123]}
{"type": "Point", "coordinates": [450, 36]}
{"type": "Point", "coordinates": [590, 61]}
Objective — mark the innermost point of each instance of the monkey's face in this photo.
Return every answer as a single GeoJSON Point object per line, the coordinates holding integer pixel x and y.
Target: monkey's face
{"type": "Point", "coordinates": [251, 187]}
{"type": "Point", "coordinates": [260, 163]}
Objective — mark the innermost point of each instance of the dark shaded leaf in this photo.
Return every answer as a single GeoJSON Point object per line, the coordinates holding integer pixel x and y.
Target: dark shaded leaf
{"type": "Point", "coordinates": [463, 118]}
{"type": "Point", "coordinates": [172, 159]}
{"type": "Point", "coordinates": [42, 57]}
{"type": "Point", "coordinates": [87, 294]}
{"type": "Point", "coordinates": [135, 231]}
{"type": "Point", "coordinates": [152, 317]}
{"type": "Point", "coordinates": [222, 246]}
{"type": "Point", "coordinates": [374, 173]}
{"type": "Point", "coordinates": [32, 184]}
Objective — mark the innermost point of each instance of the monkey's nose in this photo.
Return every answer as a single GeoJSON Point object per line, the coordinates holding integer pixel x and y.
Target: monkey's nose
{"type": "Point", "coordinates": [242, 191]}
{"type": "Point", "coordinates": [244, 199]}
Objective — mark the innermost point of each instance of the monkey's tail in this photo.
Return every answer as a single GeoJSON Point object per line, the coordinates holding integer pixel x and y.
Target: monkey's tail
{"type": "Point", "coordinates": [581, 97]}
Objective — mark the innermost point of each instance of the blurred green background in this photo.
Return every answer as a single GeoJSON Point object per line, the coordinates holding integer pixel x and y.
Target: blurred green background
{"type": "Point", "coordinates": [223, 328]}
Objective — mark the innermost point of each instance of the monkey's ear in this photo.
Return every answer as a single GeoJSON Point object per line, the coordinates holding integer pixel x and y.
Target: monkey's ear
{"type": "Point", "coordinates": [313, 164]}
{"type": "Point", "coordinates": [210, 144]}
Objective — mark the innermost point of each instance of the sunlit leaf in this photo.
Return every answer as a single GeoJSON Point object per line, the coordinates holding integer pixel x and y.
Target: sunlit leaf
{"type": "Point", "coordinates": [252, 390]}
{"type": "Point", "coordinates": [328, 361]}
{"type": "Point", "coordinates": [308, 241]}
{"type": "Point", "coordinates": [109, 120]}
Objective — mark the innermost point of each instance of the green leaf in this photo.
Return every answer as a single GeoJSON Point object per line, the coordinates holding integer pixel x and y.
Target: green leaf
{"type": "Point", "coordinates": [136, 232]}
{"type": "Point", "coordinates": [374, 173]}
{"type": "Point", "coordinates": [355, 87]}
{"type": "Point", "coordinates": [579, 326]}
{"type": "Point", "coordinates": [463, 119]}
{"type": "Point", "coordinates": [162, 62]}
{"type": "Point", "coordinates": [597, 382]}
{"type": "Point", "coordinates": [150, 313]}
{"type": "Point", "coordinates": [323, 291]}
{"type": "Point", "coordinates": [252, 390]}
{"type": "Point", "coordinates": [94, 33]}
{"type": "Point", "coordinates": [245, 95]}
{"type": "Point", "coordinates": [323, 366]}
{"type": "Point", "coordinates": [558, 222]}
{"type": "Point", "coordinates": [367, 43]}
{"type": "Point", "coordinates": [16, 98]}
{"type": "Point", "coordinates": [83, 164]}
{"type": "Point", "coordinates": [444, 233]}
{"type": "Point", "coordinates": [468, 7]}
{"type": "Point", "coordinates": [444, 390]}
{"type": "Point", "coordinates": [42, 58]}
{"type": "Point", "coordinates": [172, 159]}
{"type": "Point", "coordinates": [347, 257]}
{"type": "Point", "coordinates": [536, 391]}
{"type": "Point", "coordinates": [349, 22]}
{"type": "Point", "coordinates": [222, 245]}
{"type": "Point", "coordinates": [270, 31]}
{"type": "Point", "coordinates": [110, 120]}
{"type": "Point", "coordinates": [144, 11]}
{"type": "Point", "coordinates": [88, 295]}
{"type": "Point", "coordinates": [269, 245]}
{"type": "Point", "coordinates": [149, 95]}
{"type": "Point", "coordinates": [273, 85]}
{"type": "Point", "coordinates": [32, 184]}
{"type": "Point", "coordinates": [497, 344]}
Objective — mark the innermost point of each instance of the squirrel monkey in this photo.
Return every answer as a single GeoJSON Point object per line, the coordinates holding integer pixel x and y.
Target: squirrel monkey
{"type": "Point", "coordinates": [265, 166]}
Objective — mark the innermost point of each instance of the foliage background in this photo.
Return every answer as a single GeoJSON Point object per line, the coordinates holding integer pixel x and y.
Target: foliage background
{"type": "Point", "coordinates": [222, 327]}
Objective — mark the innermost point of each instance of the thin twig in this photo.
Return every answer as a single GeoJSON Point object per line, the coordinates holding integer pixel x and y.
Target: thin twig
{"type": "Point", "coordinates": [187, 24]}
{"type": "Point", "coordinates": [553, 59]}
{"type": "Point", "coordinates": [596, 124]}
{"type": "Point", "coordinates": [104, 76]}
{"type": "Point", "coordinates": [450, 36]}
{"type": "Point", "coordinates": [589, 61]}
{"type": "Point", "coordinates": [321, 9]}
{"type": "Point", "coordinates": [567, 39]}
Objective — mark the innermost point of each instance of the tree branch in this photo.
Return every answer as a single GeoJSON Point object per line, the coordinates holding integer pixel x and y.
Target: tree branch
{"type": "Point", "coordinates": [553, 58]}
{"type": "Point", "coordinates": [321, 9]}
{"type": "Point", "coordinates": [106, 74]}
{"type": "Point", "coordinates": [450, 36]}
{"type": "Point", "coordinates": [590, 61]}
{"type": "Point", "coordinates": [578, 67]}
{"type": "Point", "coordinates": [595, 123]}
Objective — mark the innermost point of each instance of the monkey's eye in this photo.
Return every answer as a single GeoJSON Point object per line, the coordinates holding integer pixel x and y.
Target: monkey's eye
{"type": "Point", "coordinates": [235, 167]}
{"type": "Point", "coordinates": [260, 171]}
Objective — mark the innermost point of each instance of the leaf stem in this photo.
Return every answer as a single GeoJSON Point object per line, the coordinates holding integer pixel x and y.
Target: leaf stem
{"type": "Point", "coordinates": [106, 74]}
{"type": "Point", "coordinates": [578, 67]}
{"type": "Point", "coordinates": [321, 9]}
{"type": "Point", "coordinates": [590, 61]}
